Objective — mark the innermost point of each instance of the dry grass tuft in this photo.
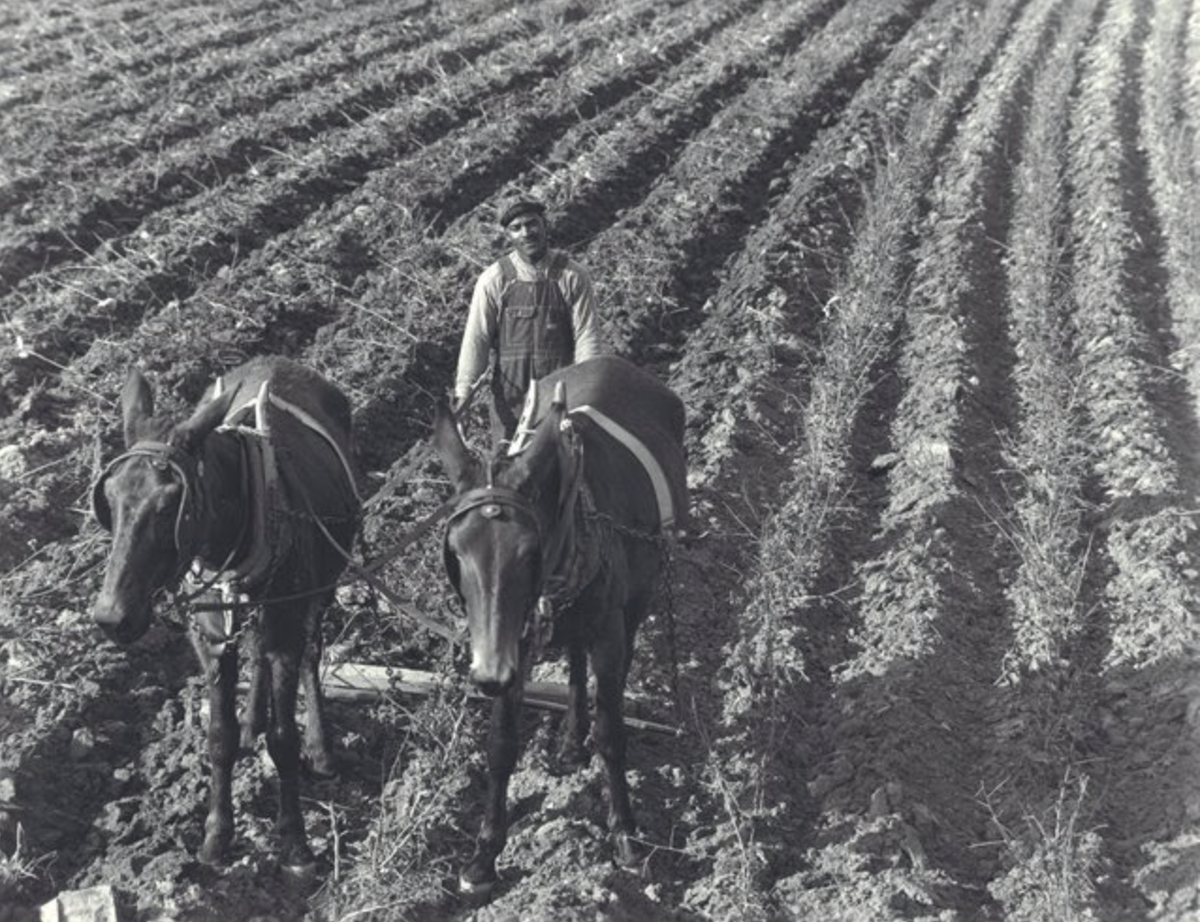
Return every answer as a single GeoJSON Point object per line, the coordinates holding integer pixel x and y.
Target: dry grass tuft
{"type": "Point", "coordinates": [1053, 859]}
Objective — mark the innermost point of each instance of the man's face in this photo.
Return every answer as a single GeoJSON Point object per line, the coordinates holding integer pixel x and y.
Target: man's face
{"type": "Point", "coordinates": [527, 232]}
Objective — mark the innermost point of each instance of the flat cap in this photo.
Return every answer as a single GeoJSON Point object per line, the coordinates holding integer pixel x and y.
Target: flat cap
{"type": "Point", "coordinates": [514, 207]}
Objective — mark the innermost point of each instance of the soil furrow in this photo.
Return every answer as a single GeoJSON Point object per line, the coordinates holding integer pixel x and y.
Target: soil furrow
{"type": "Point", "coordinates": [1145, 780]}
{"type": "Point", "coordinates": [174, 277]}
{"type": "Point", "coordinates": [297, 64]}
{"type": "Point", "coordinates": [621, 164]}
{"type": "Point", "coordinates": [1148, 534]}
{"type": "Point", "coordinates": [94, 56]}
{"type": "Point", "coordinates": [919, 797]}
{"type": "Point", "coordinates": [179, 175]}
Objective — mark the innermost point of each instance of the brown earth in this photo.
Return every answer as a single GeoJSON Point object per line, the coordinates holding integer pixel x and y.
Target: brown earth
{"type": "Point", "coordinates": [930, 638]}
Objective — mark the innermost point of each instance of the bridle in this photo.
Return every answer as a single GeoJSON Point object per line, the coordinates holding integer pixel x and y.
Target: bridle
{"type": "Point", "coordinates": [186, 469]}
{"type": "Point", "coordinates": [492, 499]}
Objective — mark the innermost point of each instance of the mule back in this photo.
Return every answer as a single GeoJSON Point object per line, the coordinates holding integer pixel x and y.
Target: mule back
{"type": "Point", "coordinates": [632, 426]}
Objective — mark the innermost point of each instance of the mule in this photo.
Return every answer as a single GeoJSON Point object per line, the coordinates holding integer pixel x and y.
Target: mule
{"type": "Point", "coordinates": [255, 490]}
{"type": "Point", "coordinates": [562, 544]}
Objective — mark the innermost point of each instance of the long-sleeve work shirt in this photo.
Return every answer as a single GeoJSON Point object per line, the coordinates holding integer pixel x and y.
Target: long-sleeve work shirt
{"type": "Point", "coordinates": [483, 319]}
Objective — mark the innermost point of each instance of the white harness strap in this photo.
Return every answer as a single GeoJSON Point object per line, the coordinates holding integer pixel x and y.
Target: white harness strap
{"type": "Point", "coordinates": [645, 457]}
{"type": "Point", "coordinates": [662, 491]}
{"type": "Point", "coordinates": [267, 507]}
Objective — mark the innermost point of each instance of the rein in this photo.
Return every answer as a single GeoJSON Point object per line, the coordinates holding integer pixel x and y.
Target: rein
{"type": "Point", "coordinates": [355, 570]}
{"type": "Point", "coordinates": [188, 471]}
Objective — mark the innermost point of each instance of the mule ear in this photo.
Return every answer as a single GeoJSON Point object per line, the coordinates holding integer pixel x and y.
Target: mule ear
{"type": "Point", "coordinates": [449, 444]}
{"type": "Point", "coordinates": [210, 414]}
{"type": "Point", "coordinates": [137, 405]}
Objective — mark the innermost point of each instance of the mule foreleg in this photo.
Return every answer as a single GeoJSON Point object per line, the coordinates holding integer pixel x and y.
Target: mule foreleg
{"type": "Point", "coordinates": [318, 757]}
{"type": "Point", "coordinates": [254, 715]}
{"type": "Point", "coordinates": [610, 666]}
{"type": "Point", "coordinates": [504, 746]}
{"type": "Point", "coordinates": [219, 662]}
{"type": "Point", "coordinates": [283, 743]}
{"type": "Point", "coordinates": [573, 752]}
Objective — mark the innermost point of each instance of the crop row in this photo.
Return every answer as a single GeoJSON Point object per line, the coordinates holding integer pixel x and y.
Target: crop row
{"type": "Point", "coordinates": [1048, 447]}
{"type": "Point", "coordinates": [901, 597]}
{"type": "Point", "coordinates": [1170, 133]}
{"type": "Point", "coordinates": [249, 146]}
{"type": "Point", "coordinates": [1148, 540]}
{"type": "Point", "coordinates": [706, 203]}
{"type": "Point", "coordinates": [175, 250]}
{"type": "Point", "coordinates": [795, 565]}
{"type": "Point", "coordinates": [113, 50]}
{"type": "Point", "coordinates": [104, 130]}
{"type": "Point", "coordinates": [898, 586]}
{"type": "Point", "coordinates": [1044, 528]}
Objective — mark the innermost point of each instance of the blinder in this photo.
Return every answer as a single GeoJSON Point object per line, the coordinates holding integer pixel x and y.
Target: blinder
{"type": "Point", "coordinates": [164, 457]}
{"type": "Point", "coordinates": [491, 502]}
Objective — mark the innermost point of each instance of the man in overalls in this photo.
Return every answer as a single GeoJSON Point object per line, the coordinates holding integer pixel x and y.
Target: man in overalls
{"type": "Point", "coordinates": [534, 310]}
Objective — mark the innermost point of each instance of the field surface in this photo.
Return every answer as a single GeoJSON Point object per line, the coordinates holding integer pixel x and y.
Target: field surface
{"type": "Point", "coordinates": [926, 274]}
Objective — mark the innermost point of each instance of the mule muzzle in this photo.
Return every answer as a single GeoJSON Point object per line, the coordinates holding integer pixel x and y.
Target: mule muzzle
{"type": "Point", "coordinates": [492, 680]}
{"type": "Point", "coordinates": [120, 623]}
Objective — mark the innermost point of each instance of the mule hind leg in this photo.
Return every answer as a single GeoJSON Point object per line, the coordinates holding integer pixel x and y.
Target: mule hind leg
{"type": "Point", "coordinates": [573, 750]}
{"type": "Point", "coordinates": [610, 658]}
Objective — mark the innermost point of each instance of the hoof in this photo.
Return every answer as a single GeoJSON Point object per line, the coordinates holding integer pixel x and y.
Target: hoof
{"type": "Point", "coordinates": [214, 852]}
{"type": "Point", "coordinates": [320, 768]}
{"type": "Point", "coordinates": [299, 863]}
{"type": "Point", "coordinates": [476, 890]}
{"type": "Point", "coordinates": [301, 872]}
{"type": "Point", "coordinates": [625, 853]}
{"type": "Point", "coordinates": [478, 878]}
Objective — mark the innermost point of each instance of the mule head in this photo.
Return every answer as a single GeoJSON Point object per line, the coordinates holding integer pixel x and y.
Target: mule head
{"type": "Point", "coordinates": [149, 499]}
{"type": "Point", "coordinates": [496, 541]}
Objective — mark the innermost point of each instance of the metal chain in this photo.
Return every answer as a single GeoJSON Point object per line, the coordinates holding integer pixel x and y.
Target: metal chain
{"type": "Point", "coordinates": [668, 593]}
{"type": "Point", "coordinates": [665, 547]}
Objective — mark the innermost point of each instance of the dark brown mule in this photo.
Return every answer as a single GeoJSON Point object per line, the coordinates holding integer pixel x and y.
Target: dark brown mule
{"type": "Point", "coordinates": [564, 543]}
{"type": "Point", "coordinates": [261, 505]}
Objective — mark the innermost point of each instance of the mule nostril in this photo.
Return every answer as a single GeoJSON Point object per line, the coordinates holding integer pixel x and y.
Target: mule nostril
{"type": "Point", "coordinates": [490, 683]}
{"type": "Point", "coordinates": [489, 687]}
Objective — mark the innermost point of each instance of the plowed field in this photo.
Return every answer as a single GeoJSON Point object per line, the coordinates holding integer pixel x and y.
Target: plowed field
{"type": "Point", "coordinates": [926, 274]}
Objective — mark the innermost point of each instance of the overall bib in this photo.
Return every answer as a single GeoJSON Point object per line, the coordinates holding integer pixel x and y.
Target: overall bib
{"type": "Point", "coordinates": [535, 337]}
